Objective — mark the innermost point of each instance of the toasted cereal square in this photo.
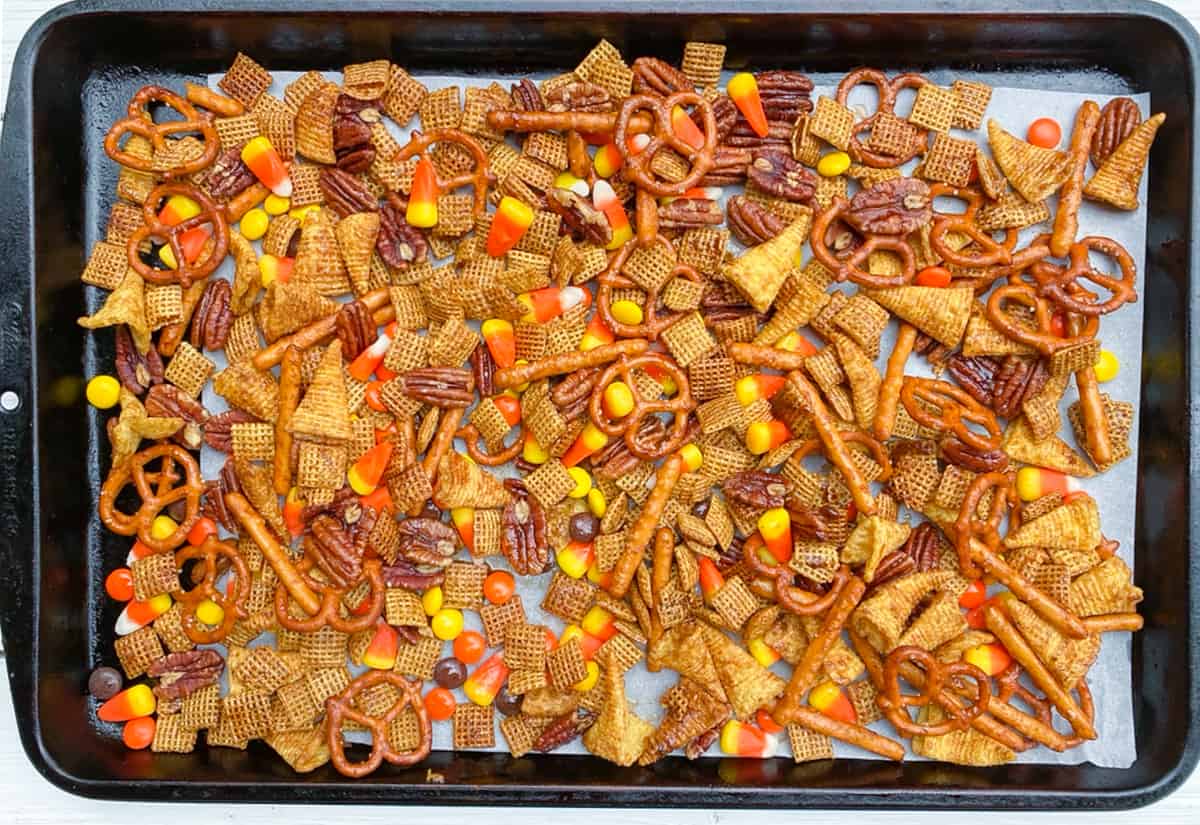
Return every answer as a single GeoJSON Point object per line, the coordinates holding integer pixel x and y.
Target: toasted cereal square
{"type": "Point", "coordinates": [138, 650]}
{"type": "Point", "coordinates": [688, 339]}
{"type": "Point", "coordinates": [567, 665]}
{"type": "Point", "coordinates": [262, 670]}
{"type": "Point", "coordinates": [322, 465]}
{"type": "Point", "coordinates": [402, 608]}
{"type": "Point", "coordinates": [711, 377]}
{"type": "Point", "coordinates": [172, 736]}
{"type": "Point", "coordinates": [832, 122]}
{"type": "Point", "coordinates": [366, 81]}
{"type": "Point", "coordinates": [169, 627]}
{"type": "Point", "coordinates": [971, 102]}
{"type": "Point", "coordinates": [325, 682]}
{"type": "Point", "coordinates": [521, 732]}
{"type": "Point", "coordinates": [621, 652]}
{"type": "Point", "coordinates": [106, 265]}
{"type": "Point", "coordinates": [473, 726]}
{"type": "Point", "coordinates": [418, 659]}
{"type": "Point", "coordinates": [892, 136]}
{"type": "Point", "coordinates": [404, 732]}
{"type": "Point", "coordinates": [403, 96]}
{"type": "Point", "coordinates": [253, 441]}
{"type": "Point", "coordinates": [934, 108]}
{"type": "Point", "coordinates": [154, 575]}
{"type": "Point", "coordinates": [245, 80]}
{"type": "Point", "coordinates": [702, 63]}
{"type": "Point", "coordinates": [863, 321]}
{"type": "Point", "coordinates": [548, 147]}
{"type": "Point", "coordinates": [525, 646]}
{"type": "Point", "coordinates": [324, 648]}
{"type": "Point", "coordinates": [123, 221]}
{"type": "Point", "coordinates": [189, 370]}
{"type": "Point", "coordinates": [296, 704]}
{"type": "Point", "coordinates": [463, 586]}
{"type": "Point", "coordinates": [949, 160]}
{"type": "Point", "coordinates": [735, 602]}
{"type": "Point", "coordinates": [441, 109]}
{"type": "Point", "coordinates": [497, 618]}
{"type": "Point", "coordinates": [550, 483]}
{"type": "Point", "coordinates": [201, 708]}
{"type": "Point", "coordinates": [248, 714]}
{"type": "Point", "coordinates": [568, 598]}
{"type": "Point", "coordinates": [807, 745]}
{"type": "Point", "coordinates": [828, 189]}
{"type": "Point", "coordinates": [455, 217]}
{"type": "Point", "coordinates": [452, 344]}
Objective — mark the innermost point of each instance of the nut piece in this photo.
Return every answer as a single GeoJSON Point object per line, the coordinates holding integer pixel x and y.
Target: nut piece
{"type": "Point", "coordinates": [523, 536]}
{"type": "Point", "coordinates": [439, 386]}
{"type": "Point", "coordinates": [726, 113]}
{"type": "Point", "coordinates": [730, 164]}
{"type": "Point", "coordinates": [976, 374]}
{"type": "Point", "coordinates": [689, 213]}
{"type": "Point", "coordinates": [819, 523]}
{"type": "Point", "coordinates": [892, 566]}
{"type": "Point", "coordinates": [399, 243]}
{"type": "Point", "coordinates": [1016, 380]}
{"type": "Point", "coordinates": [937, 354]}
{"type": "Point", "coordinates": [352, 133]}
{"type": "Point", "coordinates": [571, 395]}
{"type": "Point", "coordinates": [654, 76]}
{"type": "Point", "coordinates": [168, 401]}
{"type": "Point", "coordinates": [580, 96]}
{"type": "Point", "coordinates": [585, 221]}
{"type": "Point", "coordinates": [213, 504]}
{"type": "Point", "coordinates": [426, 542]}
{"type": "Point", "coordinates": [785, 94]}
{"type": "Point", "coordinates": [333, 550]}
{"type": "Point", "coordinates": [405, 575]}
{"type": "Point", "coordinates": [891, 207]}
{"type": "Point", "coordinates": [136, 372]}
{"type": "Point", "coordinates": [228, 176]}
{"type": "Point", "coordinates": [976, 461]}
{"type": "Point", "coordinates": [526, 96]}
{"type": "Point", "coordinates": [777, 173]}
{"type": "Point", "coordinates": [213, 317]}
{"type": "Point", "coordinates": [756, 488]}
{"type": "Point", "coordinates": [751, 222]}
{"type": "Point", "coordinates": [218, 429]}
{"type": "Point", "coordinates": [483, 370]}
{"type": "Point", "coordinates": [1118, 118]}
{"type": "Point", "coordinates": [355, 329]}
{"type": "Point", "coordinates": [564, 729]}
{"type": "Point", "coordinates": [182, 674]}
{"type": "Point", "coordinates": [345, 193]}
{"type": "Point", "coordinates": [924, 546]}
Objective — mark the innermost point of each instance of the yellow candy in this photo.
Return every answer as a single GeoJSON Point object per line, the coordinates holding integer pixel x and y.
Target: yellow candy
{"type": "Point", "coordinates": [302, 212]}
{"type": "Point", "coordinates": [596, 503]}
{"type": "Point", "coordinates": [588, 682]}
{"type": "Point", "coordinates": [276, 205]}
{"type": "Point", "coordinates": [447, 623]}
{"type": "Point", "coordinates": [627, 312]}
{"type": "Point", "coordinates": [431, 601]}
{"type": "Point", "coordinates": [692, 457]}
{"type": "Point", "coordinates": [1107, 366]}
{"type": "Point", "coordinates": [583, 482]}
{"type": "Point", "coordinates": [533, 452]}
{"type": "Point", "coordinates": [167, 256]}
{"type": "Point", "coordinates": [210, 613]}
{"type": "Point", "coordinates": [254, 224]}
{"type": "Point", "coordinates": [103, 392]}
{"type": "Point", "coordinates": [618, 399]}
{"type": "Point", "coordinates": [571, 631]}
{"type": "Point", "coordinates": [163, 527]}
{"type": "Point", "coordinates": [833, 164]}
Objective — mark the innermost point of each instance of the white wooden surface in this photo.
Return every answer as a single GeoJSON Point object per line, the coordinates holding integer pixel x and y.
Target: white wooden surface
{"type": "Point", "coordinates": [28, 799]}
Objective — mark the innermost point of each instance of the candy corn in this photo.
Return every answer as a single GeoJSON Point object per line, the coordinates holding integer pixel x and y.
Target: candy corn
{"type": "Point", "coordinates": [692, 457]}
{"type": "Point", "coordinates": [137, 615]}
{"type": "Point", "coordinates": [374, 396]}
{"type": "Point", "coordinates": [764, 436]}
{"type": "Point", "coordinates": [422, 199]}
{"type": "Point", "coordinates": [597, 334]}
{"type": "Point", "coordinates": [500, 339]}
{"type": "Point", "coordinates": [575, 558]}
{"type": "Point", "coordinates": [992, 659]}
{"type": "Point", "coordinates": [974, 595]}
{"type": "Point", "coordinates": [711, 579]}
{"type": "Point", "coordinates": [267, 166]}
{"type": "Point", "coordinates": [271, 267]}
{"type": "Point", "coordinates": [583, 482]}
{"type": "Point", "coordinates": [598, 577]}
{"type": "Point", "coordinates": [131, 703]}
{"type": "Point", "coordinates": [775, 526]}
{"type": "Point", "coordinates": [832, 701]}
{"type": "Point", "coordinates": [137, 551]}
{"type": "Point", "coordinates": [762, 652]}
{"type": "Point", "coordinates": [178, 209]}
{"type": "Point", "coordinates": [381, 652]}
{"type": "Point", "coordinates": [596, 502]}
{"type": "Point", "coordinates": [746, 740]}
{"type": "Point", "coordinates": [750, 388]}
{"type": "Point", "coordinates": [598, 622]}
{"type": "Point", "coordinates": [686, 129]}
{"type": "Point", "coordinates": [589, 643]}
{"type": "Point", "coordinates": [380, 501]}
{"type": "Point", "coordinates": [795, 342]}
{"type": "Point", "coordinates": [482, 686]}
{"type": "Point", "coordinates": [765, 721]}
{"type": "Point", "coordinates": [201, 530]}
{"type": "Point", "coordinates": [365, 474]}
{"type": "Point", "coordinates": [1035, 482]}
{"type": "Point", "coordinates": [535, 453]}
{"type": "Point", "coordinates": [579, 186]}
{"type": "Point", "coordinates": [509, 224]}
{"type": "Point", "coordinates": [464, 523]}
{"type": "Point", "coordinates": [586, 443]}
{"type": "Point", "coordinates": [293, 512]}
{"type": "Point", "coordinates": [605, 199]}
{"type": "Point", "coordinates": [743, 91]}
{"type": "Point", "coordinates": [509, 407]}
{"type": "Point", "coordinates": [549, 302]}
{"type": "Point", "coordinates": [366, 362]}
{"type": "Point", "coordinates": [607, 160]}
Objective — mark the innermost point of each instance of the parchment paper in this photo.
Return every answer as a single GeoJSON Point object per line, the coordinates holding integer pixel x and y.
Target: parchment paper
{"type": "Point", "coordinates": [1109, 678]}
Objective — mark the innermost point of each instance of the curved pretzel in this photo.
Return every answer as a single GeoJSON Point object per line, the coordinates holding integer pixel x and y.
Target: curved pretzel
{"type": "Point", "coordinates": [630, 425]}
{"type": "Point", "coordinates": [990, 253]}
{"type": "Point", "coordinates": [479, 453]}
{"type": "Point", "coordinates": [848, 268]}
{"type": "Point", "coordinates": [157, 491]}
{"type": "Point", "coordinates": [636, 167]}
{"type": "Point", "coordinates": [1059, 284]}
{"type": "Point", "coordinates": [184, 273]}
{"type": "Point", "coordinates": [1041, 337]}
{"type": "Point", "coordinates": [956, 675]}
{"type": "Point", "coordinates": [953, 408]}
{"type": "Point", "coordinates": [791, 598]}
{"type": "Point", "coordinates": [888, 92]}
{"type": "Point", "coordinates": [341, 707]}
{"type": "Point", "coordinates": [869, 444]}
{"type": "Point", "coordinates": [479, 178]}
{"type": "Point", "coordinates": [139, 122]}
{"type": "Point", "coordinates": [969, 526]}
{"type": "Point", "coordinates": [611, 278]}
{"type": "Point", "coordinates": [1009, 685]}
{"type": "Point", "coordinates": [232, 603]}
{"type": "Point", "coordinates": [330, 612]}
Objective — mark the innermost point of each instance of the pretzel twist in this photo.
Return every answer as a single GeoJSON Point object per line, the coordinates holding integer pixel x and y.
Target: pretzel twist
{"type": "Point", "coordinates": [139, 122]}
{"type": "Point", "coordinates": [157, 491]}
{"type": "Point", "coordinates": [329, 610]}
{"type": "Point", "coordinates": [958, 676]}
{"type": "Point", "coordinates": [184, 273]}
{"type": "Point", "coordinates": [479, 178]}
{"type": "Point", "coordinates": [341, 708]}
{"type": "Point", "coordinates": [231, 600]}
{"type": "Point", "coordinates": [947, 408]}
{"type": "Point", "coordinates": [629, 427]}
{"type": "Point", "coordinates": [850, 267]}
{"type": "Point", "coordinates": [637, 167]}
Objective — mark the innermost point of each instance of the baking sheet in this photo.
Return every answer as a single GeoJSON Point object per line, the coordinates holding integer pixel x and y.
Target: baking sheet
{"type": "Point", "coordinates": [1110, 677]}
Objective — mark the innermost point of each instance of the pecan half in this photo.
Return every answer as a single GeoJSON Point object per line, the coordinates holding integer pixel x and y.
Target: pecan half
{"type": "Point", "coordinates": [213, 317]}
{"type": "Point", "coordinates": [526, 96]}
{"type": "Point", "coordinates": [729, 167]}
{"type": "Point", "coordinates": [426, 542]}
{"type": "Point", "coordinates": [892, 566]}
{"type": "Point", "coordinates": [580, 96]}
{"type": "Point", "coordinates": [352, 133]}
{"type": "Point", "coordinates": [727, 557]}
{"type": "Point", "coordinates": [564, 729]}
{"type": "Point", "coordinates": [697, 747]}
{"type": "Point", "coordinates": [785, 94]}
{"type": "Point", "coordinates": [924, 545]}
{"type": "Point", "coordinates": [405, 575]}
{"type": "Point", "coordinates": [213, 504]}
{"type": "Point", "coordinates": [345, 193]}
{"type": "Point", "coordinates": [891, 207]}
{"type": "Point", "coordinates": [182, 674]}
{"type": "Point", "coordinates": [229, 175]}
{"type": "Point", "coordinates": [334, 552]}
{"type": "Point", "coordinates": [585, 221]}
{"type": "Point", "coordinates": [819, 523]}
{"type": "Point", "coordinates": [398, 242]}
{"type": "Point", "coordinates": [936, 353]}
{"type": "Point", "coordinates": [777, 173]}
{"type": "Point", "coordinates": [523, 535]}
{"type": "Point", "coordinates": [756, 488]}
{"type": "Point", "coordinates": [967, 457]}
{"type": "Point", "coordinates": [336, 507]}
{"type": "Point", "coordinates": [571, 395]}
{"type": "Point", "coordinates": [658, 77]}
{"type": "Point", "coordinates": [778, 136]}
{"type": "Point", "coordinates": [976, 374]}
{"type": "Point", "coordinates": [483, 370]}
{"type": "Point", "coordinates": [1118, 118]}
{"type": "Point", "coordinates": [439, 386]}
{"type": "Point", "coordinates": [1017, 379]}
{"type": "Point", "coordinates": [751, 222]}
{"type": "Point", "coordinates": [137, 372]}
{"type": "Point", "coordinates": [168, 401]}
{"type": "Point", "coordinates": [218, 429]}
{"type": "Point", "coordinates": [690, 213]}
{"type": "Point", "coordinates": [726, 114]}
{"type": "Point", "coordinates": [355, 329]}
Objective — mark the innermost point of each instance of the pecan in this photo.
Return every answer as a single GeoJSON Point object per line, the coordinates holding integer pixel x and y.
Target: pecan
{"type": "Point", "coordinates": [213, 317]}
{"type": "Point", "coordinates": [426, 542]}
{"type": "Point", "coordinates": [399, 243]}
{"type": "Point", "coordinates": [523, 535]}
{"type": "Point", "coordinates": [729, 556]}
{"type": "Point", "coordinates": [585, 221]}
{"type": "Point", "coordinates": [1016, 380]}
{"type": "Point", "coordinates": [657, 77]}
{"type": "Point", "coordinates": [564, 729]}
{"type": "Point", "coordinates": [969, 458]}
{"type": "Point", "coordinates": [756, 488]}
{"type": "Point", "coordinates": [924, 545]}
{"type": "Point", "coordinates": [526, 96]}
{"type": "Point", "coordinates": [697, 747]}
{"type": "Point", "coordinates": [726, 114]}
{"type": "Point", "coordinates": [345, 193]}
{"type": "Point", "coordinates": [439, 386]}
{"type": "Point", "coordinates": [937, 354]}
{"type": "Point", "coordinates": [136, 371]}
{"type": "Point", "coordinates": [168, 401]}
{"type": "Point", "coordinates": [571, 395]}
{"type": "Point", "coordinates": [778, 136]}
{"type": "Point", "coordinates": [892, 566]}
{"type": "Point", "coordinates": [405, 575]}
{"type": "Point", "coordinates": [483, 370]}
{"type": "Point", "coordinates": [182, 674]}
{"type": "Point", "coordinates": [751, 222]}
{"type": "Point", "coordinates": [785, 94]}
{"type": "Point", "coordinates": [614, 460]}
{"type": "Point", "coordinates": [218, 429]}
{"type": "Point", "coordinates": [229, 175]}
{"type": "Point", "coordinates": [355, 329]}
{"type": "Point", "coordinates": [891, 207]}
{"type": "Point", "coordinates": [352, 133]}
{"type": "Point", "coordinates": [215, 491]}
{"type": "Point", "coordinates": [729, 167]}
{"type": "Point", "coordinates": [411, 634]}
{"type": "Point", "coordinates": [361, 521]}
{"type": "Point", "coordinates": [580, 96]}
{"type": "Point", "coordinates": [333, 550]}
{"type": "Point", "coordinates": [778, 174]}
{"type": "Point", "coordinates": [336, 507]}
{"type": "Point", "coordinates": [842, 239]}
{"type": "Point", "coordinates": [818, 523]}
{"type": "Point", "coordinates": [690, 213]}
{"type": "Point", "coordinates": [976, 374]}
{"type": "Point", "coordinates": [1118, 118]}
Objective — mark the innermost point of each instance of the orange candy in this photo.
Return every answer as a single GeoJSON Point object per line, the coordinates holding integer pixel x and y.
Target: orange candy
{"type": "Point", "coordinates": [202, 529]}
{"type": "Point", "coordinates": [138, 734]}
{"type": "Point", "coordinates": [381, 652]}
{"type": "Point", "coordinates": [711, 579]}
{"type": "Point", "coordinates": [469, 647]}
{"type": "Point", "coordinates": [131, 703]}
{"type": "Point", "coordinates": [686, 128]}
{"type": "Point", "coordinates": [370, 359]}
{"type": "Point", "coordinates": [501, 341]}
{"type": "Point", "coordinates": [374, 397]}
{"type": "Point", "coordinates": [499, 586]}
{"type": "Point", "coordinates": [365, 474]}
{"type": "Point", "coordinates": [440, 704]}
{"type": "Point", "coordinates": [1044, 132]}
{"type": "Point", "coordinates": [119, 584]}
{"type": "Point", "coordinates": [743, 91]}
{"type": "Point", "coordinates": [974, 595]}
{"type": "Point", "coordinates": [422, 199]}
{"type": "Point", "coordinates": [933, 276]}
{"type": "Point", "coordinates": [832, 701]}
{"type": "Point", "coordinates": [293, 512]}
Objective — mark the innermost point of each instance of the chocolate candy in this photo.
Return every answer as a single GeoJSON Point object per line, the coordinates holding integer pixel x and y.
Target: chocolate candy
{"type": "Point", "coordinates": [449, 672]}
{"type": "Point", "coordinates": [508, 702]}
{"type": "Point", "coordinates": [105, 683]}
{"type": "Point", "coordinates": [583, 528]}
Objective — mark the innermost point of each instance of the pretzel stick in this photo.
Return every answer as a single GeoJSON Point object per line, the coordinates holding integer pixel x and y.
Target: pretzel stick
{"type": "Point", "coordinates": [643, 529]}
{"type": "Point", "coordinates": [814, 655]}
{"type": "Point", "coordinates": [1091, 408]}
{"type": "Point", "coordinates": [567, 362]}
{"type": "Point", "coordinates": [172, 334]}
{"type": "Point", "coordinates": [274, 552]}
{"type": "Point", "coordinates": [289, 399]}
{"type": "Point", "coordinates": [660, 575]}
{"type": "Point", "coordinates": [379, 301]}
{"type": "Point", "coordinates": [1114, 623]}
{"type": "Point", "coordinates": [442, 439]}
{"type": "Point", "coordinates": [757, 355]}
{"type": "Point", "coordinates": [889, 391]}
{"type": "Point", "coordinates": [646, 218]}
{"type": "Point", "coordinates": [857, 735]}
{"type": "Point", "coordinates": [1066, 220]}
{"type": "Point", "coordinates": [216, 103]}
{"type": "Point", "coordinates": [595, 122]}
{"type": "Point", "coordinates": [245, 200]}
{"type": "Point", "coordinates": [1063, 620]}
{"type": "Point", "coordinates": [835, 448]}
{"type": "Point", "coordinates": [1019, 649]}
{"type": "Point", "coordinates": [578, 160]}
